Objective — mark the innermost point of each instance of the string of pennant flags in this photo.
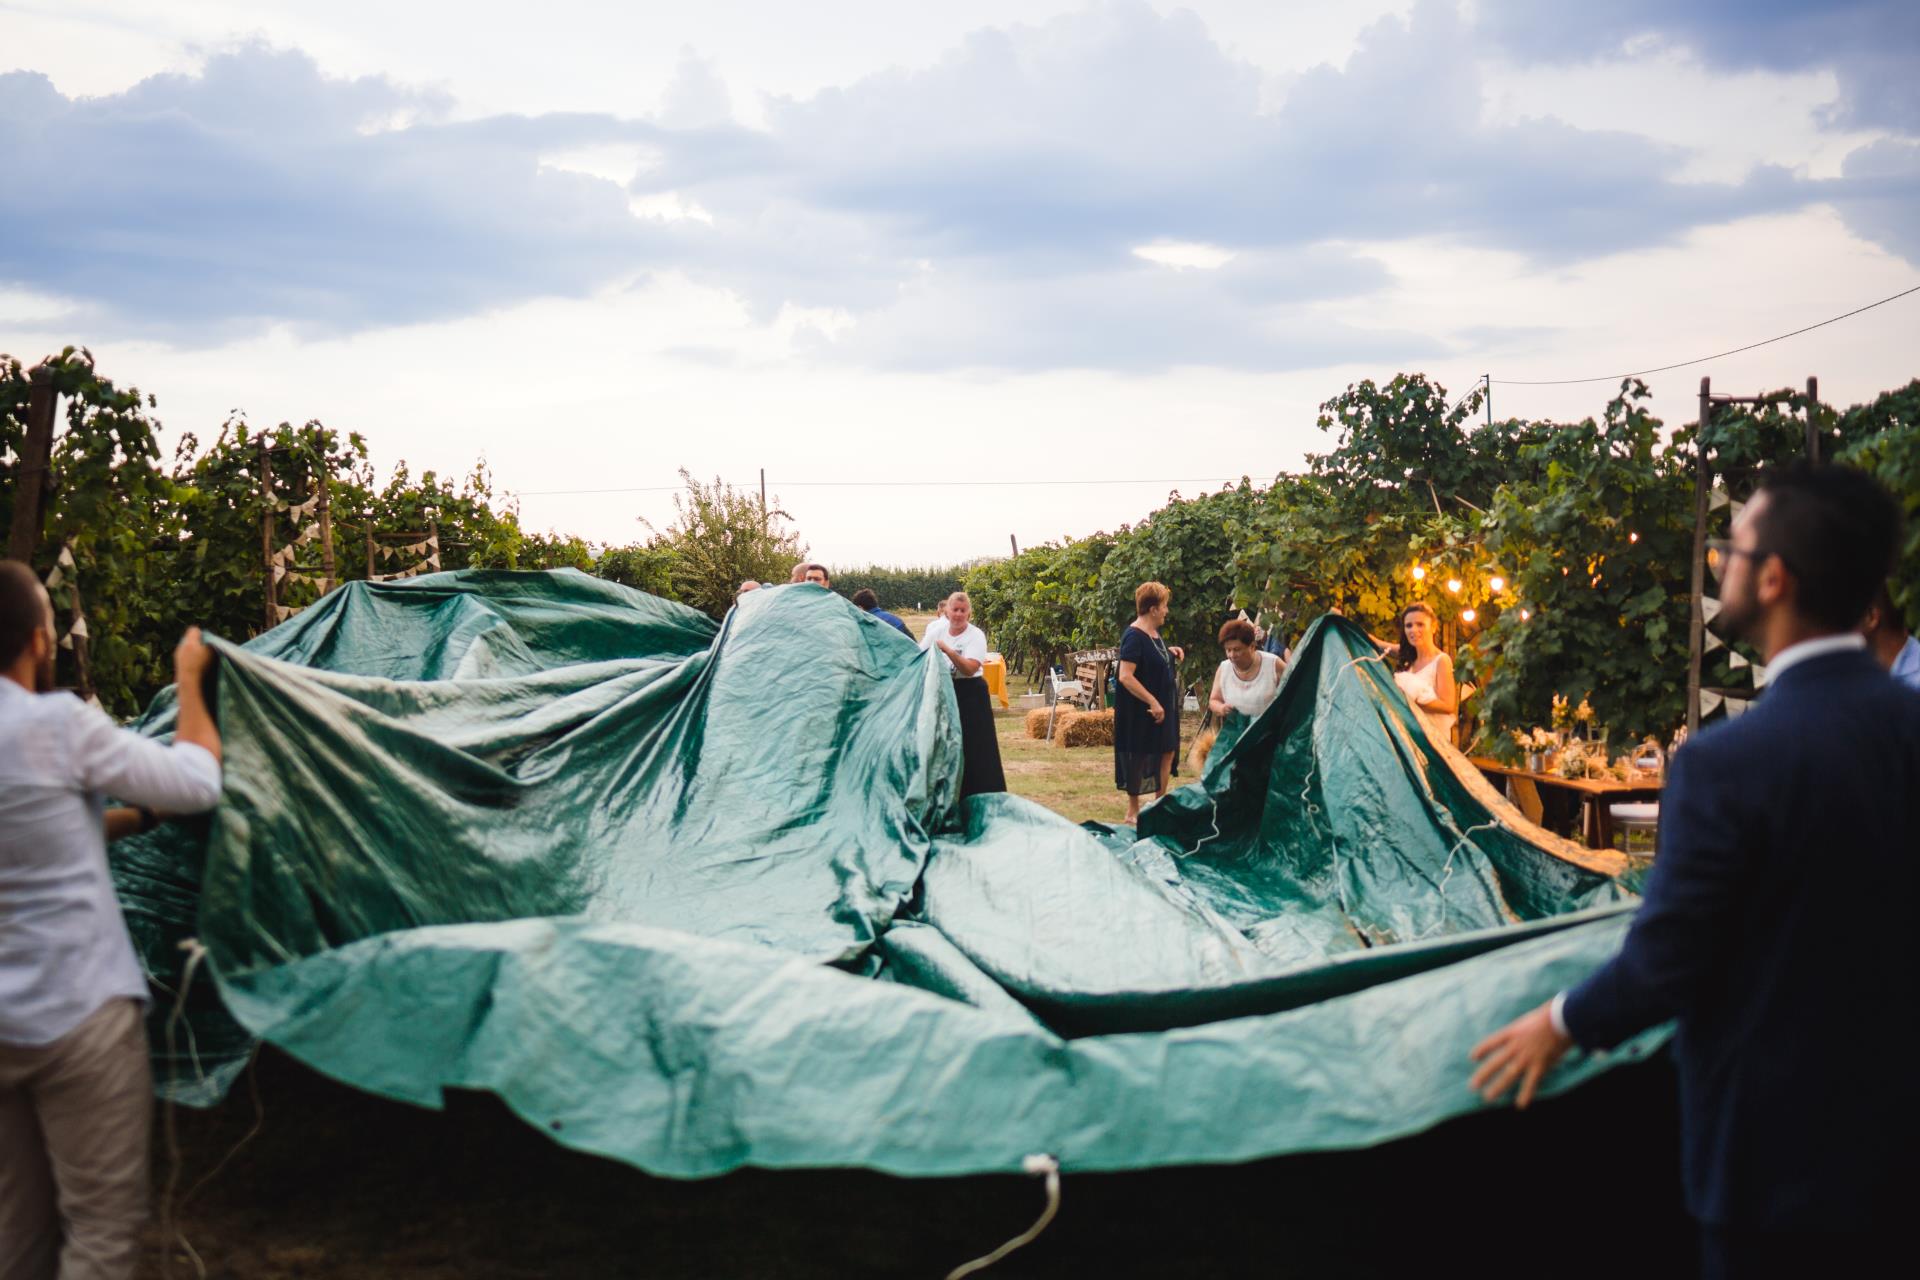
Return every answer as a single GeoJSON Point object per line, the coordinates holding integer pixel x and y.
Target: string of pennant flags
{"type": "Point", "coordinates": [428, 547]}
{"type": "Point", "coordinates": [66, 573]}
{"type": "Point", "coordinates": [1712, 700]}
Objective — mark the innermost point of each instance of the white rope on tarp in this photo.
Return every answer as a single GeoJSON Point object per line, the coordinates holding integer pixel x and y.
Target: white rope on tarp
{"type": "Point", "coordinates": [1038, 1166]}
{"type": "Point", "coordinates": [169, 1232]}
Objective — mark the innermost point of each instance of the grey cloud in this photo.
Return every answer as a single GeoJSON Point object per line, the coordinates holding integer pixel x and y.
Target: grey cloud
{"type": "Point", "coordinates": [260, 190]}
{"type": "Point", "coordinates": [1872, 46]}
{"type": "Point", "coordinates": [979, 212]}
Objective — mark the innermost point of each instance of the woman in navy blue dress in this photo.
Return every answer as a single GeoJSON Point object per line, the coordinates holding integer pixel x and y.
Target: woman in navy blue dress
{"type": "Point", "coordinates": [1146, 714]}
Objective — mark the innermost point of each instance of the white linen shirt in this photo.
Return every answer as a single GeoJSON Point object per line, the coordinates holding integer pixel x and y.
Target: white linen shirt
{"type": "Point", "coordinates": [64, 949]}
{"type": "Point", "coordinates": [971, 643]}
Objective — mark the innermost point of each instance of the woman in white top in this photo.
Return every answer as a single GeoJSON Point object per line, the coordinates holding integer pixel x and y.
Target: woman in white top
{"type": "Point", "coordinates": [963, 647]}
{"type": "Point", "coordinates": [1425, 674]}
{"type": "Point", "coordinates": [1248, 679]}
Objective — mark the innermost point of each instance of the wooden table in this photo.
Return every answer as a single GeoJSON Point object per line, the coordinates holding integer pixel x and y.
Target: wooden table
{"type": "Point", "coordinates": [1598, 796]}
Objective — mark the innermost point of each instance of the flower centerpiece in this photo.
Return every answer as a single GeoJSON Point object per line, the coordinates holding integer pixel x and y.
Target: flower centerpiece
{"type": "Point", "coordinates": [1534, 744]}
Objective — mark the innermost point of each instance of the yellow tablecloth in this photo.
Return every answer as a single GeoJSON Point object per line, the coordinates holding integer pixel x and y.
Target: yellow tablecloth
{"type": "Point", "coordinates": [995, 672]}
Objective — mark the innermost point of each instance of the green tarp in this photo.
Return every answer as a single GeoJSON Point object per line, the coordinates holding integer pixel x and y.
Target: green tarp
{"type": "Point", "coordinates": [698, 896]}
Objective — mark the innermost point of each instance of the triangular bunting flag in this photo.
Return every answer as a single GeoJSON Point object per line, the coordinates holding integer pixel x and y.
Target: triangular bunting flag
{"type": "Point", "coordinates": [280, 571]}
{"type": "Point", "coordinates": [65, 557]}
{"type": "Point", "coordinates": [1717, 500]}
{"type": "Point", "coordinates": [1709, 608]}
{"type": "Point", "coordinates": [434, 559]}
{"type": "Point", "coordinates": [1736, 659]}
{"type": "Point", "coordinates": [1713, 642]}
{"type": "Point", "coordinates": [79, 627]}
{"type": "Point", "coordinates": [1738, 507]}
{"type": "Point", "coordinates": [1760, 676]}
{"type": "Point", "coordinates": [1709, 702]}
{"type": "Point", "coordinates": [55, 577]}
{"type": "Point", "coordinates": [1735, 706]}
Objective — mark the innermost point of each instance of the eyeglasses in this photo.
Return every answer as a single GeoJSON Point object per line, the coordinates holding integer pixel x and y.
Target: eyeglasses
{"type": "Point", "coordinates": [1720, 553]}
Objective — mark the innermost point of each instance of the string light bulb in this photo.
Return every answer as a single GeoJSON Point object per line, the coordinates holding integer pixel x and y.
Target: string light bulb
{"type": "Point", "coordinates": [1419, 572]}
{"type": "Point", "coordinates": [1468, 615]}
{"type": "Point", "coordinates": [1454, 585]}
{"type": "Point", "coordinates": [1526, 615]}
{"type": "Point", "coordinates": [1633, 537]}
{"type": "Point", "coordinates": [1496, 584]}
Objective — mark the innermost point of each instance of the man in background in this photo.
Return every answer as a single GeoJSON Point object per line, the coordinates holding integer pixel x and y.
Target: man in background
{"type": "Point", "coordinates": [1782, 834]}
{"type": "Point", "coordinates": [817, 574]}
{"type": "Point", "coordinates": [865, 599]}
{"type": "Point", "coordinates": [1887, 638]}
{"type": "Point", "coordinates": [76, 1097]}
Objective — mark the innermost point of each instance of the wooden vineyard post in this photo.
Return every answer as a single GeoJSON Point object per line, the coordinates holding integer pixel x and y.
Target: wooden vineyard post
{"type": "Point", "coordinates": [329, 580]}
{"type": "Point", "coordinates": [1813, 425]}
{"type": "Point", "coordinates": [367, 528]}
{"type": "Point", "coordinates": [36, 453]}
{"type": "Point", "coordinates": [433, 541]}
{"type": "Point", "coordinates": [1696, 616]}
{"type": "Point", "coordinates": [266, 531]}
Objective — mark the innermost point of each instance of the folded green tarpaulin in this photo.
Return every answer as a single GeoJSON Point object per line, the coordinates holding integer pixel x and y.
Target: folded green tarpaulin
{"type": "Point", "coordinates": [696, 896]}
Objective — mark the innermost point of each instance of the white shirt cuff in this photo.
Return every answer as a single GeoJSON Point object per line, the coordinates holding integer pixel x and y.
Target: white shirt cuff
{"type": "Point", "coordinates": [1557, 1014]}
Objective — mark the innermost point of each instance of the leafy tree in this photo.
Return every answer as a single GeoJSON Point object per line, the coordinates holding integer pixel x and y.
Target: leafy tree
{"type": "Point", "coordinates": [722, 536]}
{"type": "Point", "coordinates": [643, 566]}
{"type": "Point", "coordinates": [1596, 539]}
{"type": "Point", "coordinates": [112, 506]}
{"type": "Point", "coordinates": [902, 587]}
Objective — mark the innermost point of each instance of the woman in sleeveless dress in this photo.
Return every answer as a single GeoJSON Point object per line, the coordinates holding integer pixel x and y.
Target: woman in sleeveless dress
{"type": "Point", "coordinates": [1425, 673]}
{"type": "Point", "coordinates": [1244, 684]}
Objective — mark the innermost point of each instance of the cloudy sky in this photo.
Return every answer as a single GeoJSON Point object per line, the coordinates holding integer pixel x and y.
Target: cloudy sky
{"type": "Point", "coordinates": [869, 245]}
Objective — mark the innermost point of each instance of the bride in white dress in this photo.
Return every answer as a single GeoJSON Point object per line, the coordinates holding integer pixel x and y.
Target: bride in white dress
{"type": "Point", "coordinates": [1425, 673]}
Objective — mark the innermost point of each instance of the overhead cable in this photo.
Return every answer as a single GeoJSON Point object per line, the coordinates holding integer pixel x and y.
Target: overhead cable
{"type": "Point", "coordinates": [1640, 373]}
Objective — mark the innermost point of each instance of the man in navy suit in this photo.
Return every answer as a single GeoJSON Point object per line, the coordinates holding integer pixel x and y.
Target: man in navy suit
{"type": "Point", "coordinates": [1776, 927]}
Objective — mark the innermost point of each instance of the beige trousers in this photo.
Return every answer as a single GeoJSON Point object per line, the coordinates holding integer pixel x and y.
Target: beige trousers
{"type": "Point", "coordinates": [75, 1121]}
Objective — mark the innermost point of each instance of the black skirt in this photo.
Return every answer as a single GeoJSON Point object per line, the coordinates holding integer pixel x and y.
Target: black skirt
{"type": "Point", "coordinates": [979, 741]}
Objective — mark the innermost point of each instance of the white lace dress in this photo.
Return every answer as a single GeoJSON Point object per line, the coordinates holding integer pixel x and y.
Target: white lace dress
{"type": "Point", "coordinates": [1250, 697]}
{"type": "Point", "coordinates": [1418, 684]}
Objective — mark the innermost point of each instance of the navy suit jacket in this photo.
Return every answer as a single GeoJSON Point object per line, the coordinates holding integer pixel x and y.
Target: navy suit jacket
{"type": "Point", "coordinates": [1779, 929]}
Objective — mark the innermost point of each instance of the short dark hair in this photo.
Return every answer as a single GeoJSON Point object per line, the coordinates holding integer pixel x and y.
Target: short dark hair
{"type": "Point", "coordinates": [1888, 619]}
{"type": "Point", "coordinates": [23, 610]}
{"type": "Point", "coordinates": [1236, 629]}
{"type": "Point", "coordinates": [1836, 529]}
{"type": "Point", "coordinates": [1149, 595]}
{"type": "Point", "coordinates": [865, 599]}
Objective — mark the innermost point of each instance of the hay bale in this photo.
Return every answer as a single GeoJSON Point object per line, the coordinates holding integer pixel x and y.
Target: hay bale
{"type": "Point", "coordinates": [1086, 729]}
{"type": "Point", "coordinates": [1202, 748]}
{"type": "Point", "coordinates": [1037, 723]}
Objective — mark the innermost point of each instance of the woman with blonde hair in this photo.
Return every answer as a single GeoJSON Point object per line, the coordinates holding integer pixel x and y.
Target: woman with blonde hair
{"type": "Point", "coordinates": [963, 647]}
{"type": "Point", "coordinates": [1146, 714]}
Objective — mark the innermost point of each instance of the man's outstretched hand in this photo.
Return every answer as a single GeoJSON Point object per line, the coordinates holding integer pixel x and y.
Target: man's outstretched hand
{"type": "Point", "coordinates": [1524, 1050]}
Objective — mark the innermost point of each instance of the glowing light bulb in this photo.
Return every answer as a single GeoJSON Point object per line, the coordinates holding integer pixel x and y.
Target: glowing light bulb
{"type": "Point", "coordinates": [1496, 584]}
{"type": "Point", "coordinates": [1468, 615]}
{"type": "Point", "coordinates": [1418, 573]}
{"type": "Point", "coordinates": [1633, 537]}
{"type": "Point", "coordinates": [1454, 585]}
{"type": "Point", "coordinates": [1526, 615]}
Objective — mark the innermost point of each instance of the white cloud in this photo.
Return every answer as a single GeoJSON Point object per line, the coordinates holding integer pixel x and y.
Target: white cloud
{"type": "Point", "coordinates": [1184, 254]}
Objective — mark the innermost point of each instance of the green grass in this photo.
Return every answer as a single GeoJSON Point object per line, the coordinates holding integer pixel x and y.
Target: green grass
{"type": "Point", "coordinates": [1074, 782]}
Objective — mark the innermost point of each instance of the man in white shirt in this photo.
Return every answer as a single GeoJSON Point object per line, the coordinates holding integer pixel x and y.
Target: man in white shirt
{"type": "Point", "coordinates": [75, 1089]}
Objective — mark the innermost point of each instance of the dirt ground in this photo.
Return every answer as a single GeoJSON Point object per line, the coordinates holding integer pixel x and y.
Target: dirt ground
{"type": "Point", "coordinates": [340, 1184]}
